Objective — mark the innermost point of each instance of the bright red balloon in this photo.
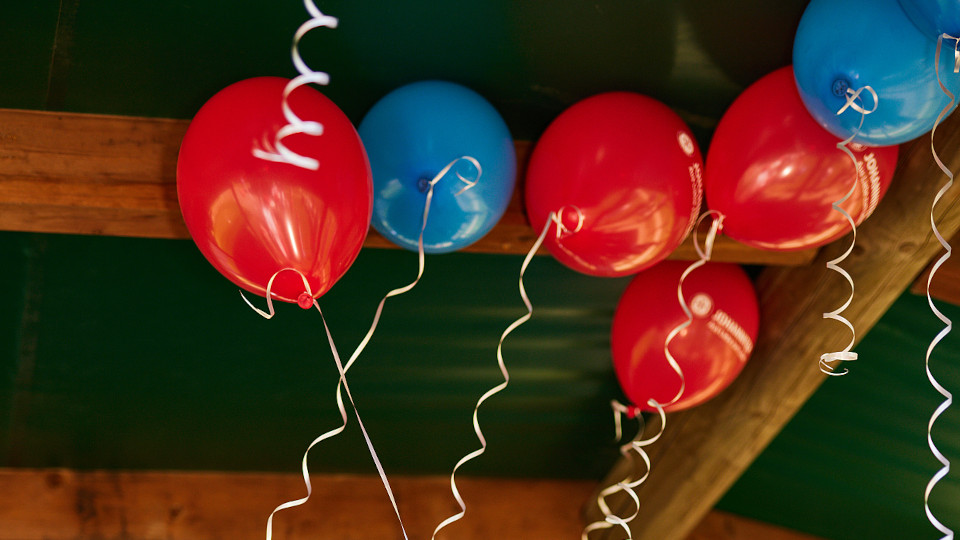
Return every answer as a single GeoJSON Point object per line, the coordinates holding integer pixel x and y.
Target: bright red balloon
{"type": "Point", "coordinates": [252, 217]}
{"type": "Point", "coordinates": [711, 351]}
{"type": "Point", "coordinates": [632, 168]}
{"type": "Point", "coordinates": [774, 172]}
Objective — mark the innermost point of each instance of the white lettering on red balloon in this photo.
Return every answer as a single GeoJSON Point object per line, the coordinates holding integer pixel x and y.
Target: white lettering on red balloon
{"type": "Point", "coordinates": [696, 180]}
{"type": "Point", "coordinates": [731, 333]}
{"type": "Point", "coordinates": [686, 143]}
{"type": "Point", "coordinates": [868, 178]}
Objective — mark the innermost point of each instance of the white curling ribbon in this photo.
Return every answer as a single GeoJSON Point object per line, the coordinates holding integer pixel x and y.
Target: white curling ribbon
{"type": "Point", "coordinates": [363, 343]}
{"type": "Point", "coordinates": [705, 254]}
{"type": "Point", "coordinates": [636, 446]}
{"type": "Point", "coordinates": [629, 484]}
{"type": "Point", "coordinates": [948, 397]}
{"type": "Point", "coordinates": [830, 361]}
{"type": "Point", "coordinates": [276, 150]}
{"type": "Point", "coordinates": [553, 218]}
{"type": "Point", "coordinates": [421, 262]}
{"type": "Point", "coordinates": [341, 383]}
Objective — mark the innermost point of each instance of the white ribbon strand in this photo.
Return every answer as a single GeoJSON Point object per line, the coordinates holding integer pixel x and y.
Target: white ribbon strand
{"type": "Point", "coordinates": [554, 218]}
{"type": "Point", "coordinates": [629, 484]}
{"type": "Point", "coordinates": [342, 382]}
{"type": "Point", "coordinates": [276, 150]}
{"type": "Point", "coordinates": [636, 446]}
{"type": "Point", "coordinates": [830, 361]}
{"type": "Point", "coordinates": [948, 397]}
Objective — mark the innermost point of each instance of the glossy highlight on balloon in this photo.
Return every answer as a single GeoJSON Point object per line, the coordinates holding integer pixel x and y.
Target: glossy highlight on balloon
{"type": "Point", "coordinates": [252, 217]}
{"type": "Point", "coordinates": [774, 172]}
{"type": "Point", "coordinates": [711, 351]}
{"type": "Point", "coordinates": [934, 17]}
{"type": "Point", "coordinates": [850, 44]}
{"type": "Point", "coordinates": [411, 135]}
{"type": "Point", "coordinates": [626, 170]}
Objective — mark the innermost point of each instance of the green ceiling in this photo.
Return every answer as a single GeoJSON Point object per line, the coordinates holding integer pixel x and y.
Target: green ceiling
{"type": "Point", "coordinates": [132, 353]}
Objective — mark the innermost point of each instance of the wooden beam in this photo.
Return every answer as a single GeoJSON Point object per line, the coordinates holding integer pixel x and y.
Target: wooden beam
{"type": "Point", "coordinates": [946, 282]}
{"type": "Point", "coordinates": [111, 175]}
{"type": "Point", "coordinates": [705, 450]}
{"type": "Point", "coordinates": [70, 505]}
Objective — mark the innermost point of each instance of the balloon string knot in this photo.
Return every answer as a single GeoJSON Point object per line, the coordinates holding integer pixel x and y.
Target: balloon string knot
{"type": "Point", "coordinates": [562, 229]}
{"type": "Point", "coordinates": [853, 101]}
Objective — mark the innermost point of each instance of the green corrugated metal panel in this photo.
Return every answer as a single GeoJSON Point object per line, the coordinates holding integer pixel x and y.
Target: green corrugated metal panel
{"type": "Point", "coordinates": [854, 462]}
{"type": "Point", "coordinates": [27, 32]}
{"type": "Point", "coordinates": [137, 354]}
{"type": "Point", "coordinates": [531, 59]}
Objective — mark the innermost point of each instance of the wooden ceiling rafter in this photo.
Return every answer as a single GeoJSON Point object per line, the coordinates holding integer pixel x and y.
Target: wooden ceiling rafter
{"type": "Point", "coordinates": [116, 176]}
{"type": "Point", "coordinates": [706, 449]}
{"type": "Point", "coordinates": [185, 505]}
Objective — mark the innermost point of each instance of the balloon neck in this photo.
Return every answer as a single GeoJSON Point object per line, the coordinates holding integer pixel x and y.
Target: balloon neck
{"type": "Point", "coordinates": [305, 300]}
{"type": "Point", "coordinates": [423, 184]}
{"type": "Point", "coordinates": [840, 87]}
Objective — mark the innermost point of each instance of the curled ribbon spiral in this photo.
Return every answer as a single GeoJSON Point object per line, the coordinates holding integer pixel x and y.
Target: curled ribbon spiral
{"type": "Point", "coordinates": [343, 368]}
{"type": "Point", "coordinates": [948, 397]}
{"type": "Point", "coordinates": [830, 361]}
{"type": "Point", "coordinates": [628, 484]}
{"type": "Point", "coordinates": [636, 446]}
{"type": "Point", "coordinates": [275, 150]}
{"type": "Point", "coordinates": [562, 231]}
{"type": "Point", "coordinates": [341, 384]}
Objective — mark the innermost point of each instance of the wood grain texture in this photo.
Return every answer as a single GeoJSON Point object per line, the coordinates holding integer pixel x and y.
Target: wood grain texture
{"type": "Point", "coordinates": [705, 450]}
{"type": "Point", "coordinates": [111, 175]}
{"type": "Point", "coordinates": [71, 505]}
{"type": "Point", "coordinates": [946, 282]}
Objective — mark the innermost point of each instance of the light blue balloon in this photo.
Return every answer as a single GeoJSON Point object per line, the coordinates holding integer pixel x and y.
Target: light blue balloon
{"type": "Point", "coordinates": [935, 17]}
{"type": "Point", "coordinates": [411, 135]}
{"type": "Point", "coordinates": [844, 44]}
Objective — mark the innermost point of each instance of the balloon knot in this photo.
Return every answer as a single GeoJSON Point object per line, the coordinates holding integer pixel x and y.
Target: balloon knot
{"type": "Point", "coordinates": [423, 184]}
{"type": "Point", "coordinates": [840, 87]}
{"type": "Point", "coordinates": [633, 411]}
{"type": "Point", "coordinates": [305, 300]}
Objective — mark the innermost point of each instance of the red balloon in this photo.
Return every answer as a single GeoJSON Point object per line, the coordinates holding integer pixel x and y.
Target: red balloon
{"type": "Point", "coordinates": [632, 168]}
{"type": "Point", "coordinates": [711, 351]}
{"type": "Point", "coordinates": [774, 171]}
{"type": "Point", "coordinates": [252, 217]}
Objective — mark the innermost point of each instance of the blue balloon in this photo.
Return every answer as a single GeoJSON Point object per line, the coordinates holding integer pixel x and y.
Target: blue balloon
{"type": "Point", "coordinates": [843, 44]}
{"type": "Point", "coordinates": [411, 135]}
{"type": "Point", "coordinates": [934, 17]}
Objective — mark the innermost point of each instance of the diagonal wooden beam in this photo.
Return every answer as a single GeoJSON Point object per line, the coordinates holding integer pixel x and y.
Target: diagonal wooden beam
{"type": "Point", "coordinates": [113, 175]}
{"type": "Point", "coordinates": [705, 450]}
{"type": "Point", "coordinates": [946, 285]}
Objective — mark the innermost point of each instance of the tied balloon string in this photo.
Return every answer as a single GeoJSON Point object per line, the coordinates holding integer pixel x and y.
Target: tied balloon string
{"type": "Point", "coordinates": [829, 362]}
{"type": "Point", "coordinates": [948, 397]}
{"type": "Point", "coordinates": [341, 385]}
{"type": "Point", "coordinates": [276, 150]}
{"type": "Point", "coordinates": [628, 485]}
{"type": "Point", "coordinates": [421, 261]}
{"type": "Point", "coordinates": [562, 231]}
{"type": "Point", "coordinates": [635, 448]}
{"type": "Point", "coordinates": [705, 254]}
{"type": "Point", "coordinates": [469, 183]}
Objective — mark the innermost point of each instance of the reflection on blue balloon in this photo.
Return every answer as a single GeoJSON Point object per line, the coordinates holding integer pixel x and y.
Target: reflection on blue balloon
{"type": "Point", "coordinates": [934, 17]}
{"type": "Point", "coordinates": [844, 44]}
{"type": "Point", "coordinates": [410, 136]}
